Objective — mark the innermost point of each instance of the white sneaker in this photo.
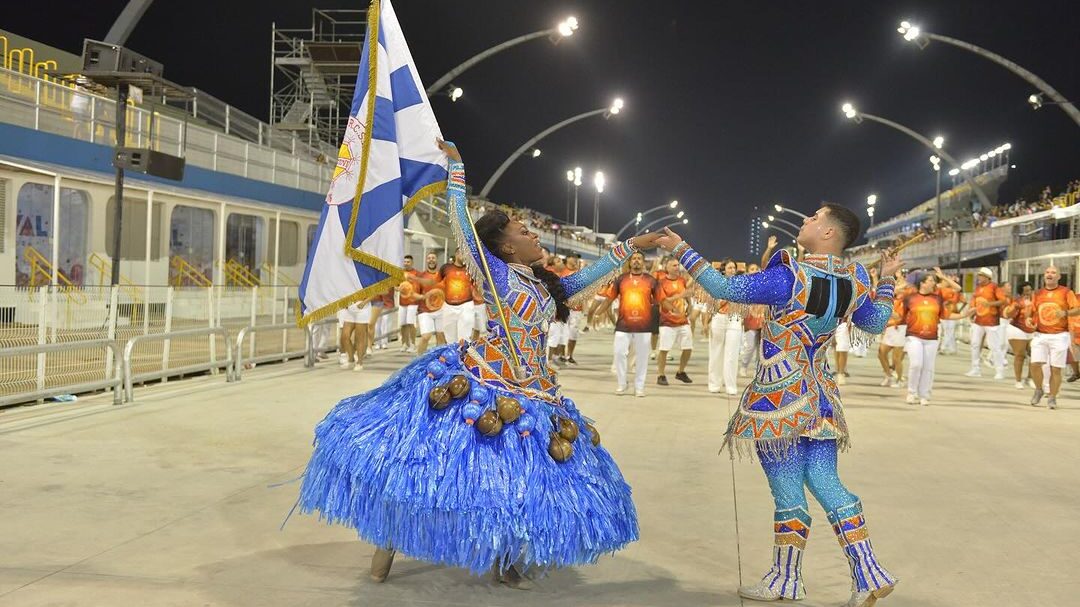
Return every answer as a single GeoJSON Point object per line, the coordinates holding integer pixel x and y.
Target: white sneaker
{"type": "Point", "coordinates": [639, 393]}
{"type": "Point", "coordinates": [894, 383]}
{"type": "Point", "coordinates": [731, 391]}
{"type": "Point", "coordinates": [358, 367]}
{"type": "Point", "coordinates": [974, 373]}
{"type": "Point", "coordinates": [344, 364]}
{"type": "Point", "coordinates": [620, 390]}
{"type": "Point", "coordinates": [715, 390]}
{"type": "Point", "coordinates": [910, 399]}
{"type": "Point", "coordinates": [1019, 385]}
{"type": "Point", "coordinates": [652, 355]}
{"type": "Point", "coordinates": [412, 350]}
{"type": "Point", "coordinates": [999, 374]}
{"type": "Point", "coordinates": [885, 382]}
{"type": "Point", "coordinates": [924, 402]}
{"type": "Point", "coordinates": [841, 379]}
{"type": "Point", "coordinates": [1031, 383]}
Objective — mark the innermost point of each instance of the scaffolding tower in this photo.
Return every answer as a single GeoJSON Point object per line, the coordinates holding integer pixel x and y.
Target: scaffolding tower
{"type": "Point", "coordinates": [314, 74]}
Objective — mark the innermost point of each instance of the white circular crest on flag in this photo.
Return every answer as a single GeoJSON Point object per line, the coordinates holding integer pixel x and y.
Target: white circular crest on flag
{"type": "Point", "coordinates": [347, 171]}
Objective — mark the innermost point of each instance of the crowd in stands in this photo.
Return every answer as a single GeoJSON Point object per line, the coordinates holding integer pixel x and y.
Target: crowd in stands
{"type": "Point", "coordinates": [535, 220]}
{"type": "Point", "coordinates": [986, 219]}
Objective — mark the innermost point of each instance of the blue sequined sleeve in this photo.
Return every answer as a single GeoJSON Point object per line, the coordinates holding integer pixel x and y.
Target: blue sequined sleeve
{"type": "Point", "coordinates": [461, 225]}
{"type": "Point", "coordinates": [874, 313]}
{"type": "Point", "coordinates": [582, 284]}
{"type": "Point", "coordinates": [772, 286]}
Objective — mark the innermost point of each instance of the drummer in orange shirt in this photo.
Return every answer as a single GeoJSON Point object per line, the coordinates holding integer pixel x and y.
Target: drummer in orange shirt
{"type": "Point", "coordinates": [1053, 305]}
{"type": "Point", "coordinates": [922, 312]}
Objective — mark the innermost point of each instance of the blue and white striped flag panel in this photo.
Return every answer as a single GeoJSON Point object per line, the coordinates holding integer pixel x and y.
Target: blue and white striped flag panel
{"type": "Point", "coordinates": [388, 161]}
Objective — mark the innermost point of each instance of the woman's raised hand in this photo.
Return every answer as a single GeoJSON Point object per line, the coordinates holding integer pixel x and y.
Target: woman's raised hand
{"type": "Point", "coordinates": [449, 149]}
{"type": "Point", "coordinates": [668, 239]}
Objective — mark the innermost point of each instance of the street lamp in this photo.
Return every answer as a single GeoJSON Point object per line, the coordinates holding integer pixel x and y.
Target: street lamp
{"type": "Point", "coordinates": [782, 209]}
{"type": "Point", "coordinates": [913, 33]}
{"type": "Point", "coordinates": [536, 153]}
{"type": "Point", "coordinates": [454, 92]}
{"type": "Point", "coordinates": [569, 184]}
{"type": "Point", "coordinates": [856, 116]}
{"type": "Point", "coordinates": [871, 200]}
{"type": "Point", "coordinates": [599, 182]}
{"type": "Point", "coordinates": [668, 217]}
{"type": "Point", "coordinates": [766, 225]}
{"type": "Point", "coordinates": [564, 29]}
{"type": "Point", "coordinates": [939, 141]}
{"type": "Point", "coordinates": [936, 161]}
{"type": "Point", "coordinates": [776, 219]}
{"type": "Point", "coordinates": [643, 214]}
{"type": "Point", "coordinates": [607, 112]}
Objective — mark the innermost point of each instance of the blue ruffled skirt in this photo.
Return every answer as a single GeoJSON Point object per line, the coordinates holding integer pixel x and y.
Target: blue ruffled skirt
{"type": "Point", "coordinates": [429, 484]}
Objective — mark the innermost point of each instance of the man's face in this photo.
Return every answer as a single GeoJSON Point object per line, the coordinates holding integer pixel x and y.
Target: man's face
{"type": "Point", "coordinates": [637, 263]}
{"type": "Point", "coordinates": [672, 268]}
{"type": "Point", "coordinates": [730, 269]}
{"type": "Point", "coordinates": [572, 264]}
{"type": "Point", "coordinates": [752, 269]}
{"type": "Point", "coordinates": [1026, 291]}
{"type": "Point", "coordinates": [432, 262]}
{"type": "Point", "coordinates": [408, 263]}
{"type": "Point", "coordinates": [816, 229]}
{"type": "Point", "coordinates": [557, 264]}
{"type": "Point", "coordinates": [1051, 277]}
{"type": "Point", "coordinates": [982, 280]}
{"type": "Point", "coordinates": [459, 259]}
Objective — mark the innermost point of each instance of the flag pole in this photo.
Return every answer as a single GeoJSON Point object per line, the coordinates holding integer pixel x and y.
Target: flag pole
{"type": "Point", "coordinates": [518, 372]}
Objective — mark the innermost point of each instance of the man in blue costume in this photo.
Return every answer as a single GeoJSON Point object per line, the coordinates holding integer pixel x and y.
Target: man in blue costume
{"type": "Point", "coordinates": [791, 413]}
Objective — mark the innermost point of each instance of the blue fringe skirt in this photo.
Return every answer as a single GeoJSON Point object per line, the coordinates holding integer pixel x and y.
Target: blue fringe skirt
{"type": "Point", "coordinates": [428, 483]}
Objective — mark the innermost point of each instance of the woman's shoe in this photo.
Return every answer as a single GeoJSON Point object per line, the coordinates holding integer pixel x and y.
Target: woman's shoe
{"type": "Point", "coordinates": [867, 598]}
{"type": "Point", "coordinates": [381, 562]}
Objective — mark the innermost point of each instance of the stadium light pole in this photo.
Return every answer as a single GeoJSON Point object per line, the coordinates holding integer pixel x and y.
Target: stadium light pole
{"type": "Point", "coordinates": [577, 184]}
{"type": "Point", "coordinates": [774, 218]}
{"type": "Point", "coordinates": [607, 112]}
{"type": "Point", "coordinates": [857, 117]}
{"type": "Point", "coordinates": [769, 226]}
{"type": "Point", "coordinates": [564, 29]}
{"type": "Point", "coordinates": [569, 184]}
{"type": "Point", "coordinates": [936, 162]}
{"type": "Point", "coordinates": [783, 209]}
{"type": "Point", "coordinates": [599, 181]}
{"type": "Point", "coordinates": [680, 217]}
{"type": "Point", "coordinates": [642, 214]}
{"type": "Point", "coordinates": [921, 38]}
{"type": "Point", "coordinates": [871, 200]}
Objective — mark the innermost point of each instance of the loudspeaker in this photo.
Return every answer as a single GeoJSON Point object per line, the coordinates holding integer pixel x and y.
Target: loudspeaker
{"type": "Point", "coordinates": [150, 162]}
{"type": "Point", "coordinates": [104, 57]}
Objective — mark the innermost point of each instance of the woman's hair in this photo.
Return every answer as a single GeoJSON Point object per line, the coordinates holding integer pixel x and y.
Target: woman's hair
{"type": "Point", "coordinates": [491, 230]}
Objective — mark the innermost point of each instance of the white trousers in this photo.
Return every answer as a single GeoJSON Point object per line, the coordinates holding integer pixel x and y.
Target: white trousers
{"type": "Point", "coordinates": [749, 349]}
{"type": "Point", "coordinates": [948, 336]}
{"type": "Point", "coordinates": [993, 337]}
{"type": "Point", "coordinates": [574, 324]}
{"type": "Point", "coordinates": [922, 356]}
{"type": "Point", "coordinates": [725, 340]}
{"type": "Point", "coordinates": [640, 343]}
{"type": "Point", "coordinates": [457, 322]}
{"type": "Point", "coordinates": [382, 329]}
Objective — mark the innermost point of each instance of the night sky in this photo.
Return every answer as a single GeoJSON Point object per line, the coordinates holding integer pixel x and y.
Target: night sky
{"type": "Point", "coordinates": [729, 104]}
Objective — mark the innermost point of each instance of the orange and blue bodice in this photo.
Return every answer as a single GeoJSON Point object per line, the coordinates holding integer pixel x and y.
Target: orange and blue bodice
{"type": "Point", "coordinates": [793, 393]}
{"type": "Point", "coordinates": [525, 302]}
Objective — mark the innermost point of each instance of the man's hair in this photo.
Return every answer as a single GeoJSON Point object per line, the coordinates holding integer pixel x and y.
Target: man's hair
{"type": "Point", "coordinates": [847, 220]}
{"type": "Point", "coordinates": [408, 257]}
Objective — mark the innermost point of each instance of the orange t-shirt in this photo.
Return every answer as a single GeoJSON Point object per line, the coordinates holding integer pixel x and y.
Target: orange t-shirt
{"type": "Point", "coordinates": [1022, 314]}
{"type": "Point", "coordinates": [410, 275]}
{"type": "Point", "coordinates": [985, 315]}
{"type": "Point", "coordinates": [897, 316]}
{"type": "Point", "coordinates": [423, 308]}
{"type": "Point", "coordinates": [457, 284]}
{"type": "Point", "coordinates": [922, 313]}
{"type": "Point", "coordinates": [1048, 304]}
{"type": "Point", "coordinates": [675, 313]}
{"type": "Point", "coordinates": [755, 319]}
{"type": "Point", "coordinates": [636, 303]}
{"type": "Point", "coordinates": [951, 298]}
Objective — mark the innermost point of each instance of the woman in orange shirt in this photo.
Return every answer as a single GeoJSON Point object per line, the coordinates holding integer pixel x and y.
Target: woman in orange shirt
{"type": "Point", "coordinates": [1021, 329]}
{"type": "Point", "coordinates": [922, 312]}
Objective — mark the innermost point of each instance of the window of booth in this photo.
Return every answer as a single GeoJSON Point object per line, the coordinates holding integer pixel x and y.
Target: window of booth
{"type": "Point", "coordinates": [191, 238]}
{"type": "Point", "coordinates": [35, 229]}
{"type": "Point", "coordinates": [133, 229]}
{"type": "Point", "coordinates": [245, 240]}
{"type": "Point", "coordinates": [288, 241]}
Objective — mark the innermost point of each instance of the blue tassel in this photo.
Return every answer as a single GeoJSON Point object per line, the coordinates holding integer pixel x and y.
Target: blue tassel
{"type": "Point", "coordinates": [429, 485]}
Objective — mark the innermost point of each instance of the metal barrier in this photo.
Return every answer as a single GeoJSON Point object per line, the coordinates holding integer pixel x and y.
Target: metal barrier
{"type": "Point", "coordinates": [42, 393]}
{"type": "Point", "coordinates": [130, 378]}
{"type": "Point", "coordinates": [312, 350]}
{"type": "Point", "coordinates": [283, 356]}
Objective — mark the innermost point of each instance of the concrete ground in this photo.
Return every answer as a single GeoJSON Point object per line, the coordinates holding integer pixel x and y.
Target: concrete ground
{"type": "Point", "coordinates": [177, 499]}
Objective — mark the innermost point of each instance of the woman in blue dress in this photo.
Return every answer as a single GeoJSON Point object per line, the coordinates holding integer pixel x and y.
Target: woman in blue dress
{"type": "Point", "coordinates": [471, 456]}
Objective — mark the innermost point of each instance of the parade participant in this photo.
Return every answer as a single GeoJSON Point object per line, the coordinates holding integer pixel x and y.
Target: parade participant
{"type": "Point", "coordinates": [673, 295]}
{"type": "Point", "coordinates": [379, 324]}
{"type": "Point", "coordinates": [429, 311]}
{"type": "Point", "coordinates": [987, 300]}
{"type": "Point", "coordinates": [954, 300]}
{"type": "Point", "coordinates": [635, 292]}
{"type": "Point", "coordinates": [752, 323]}
{"type": "Point", "coordinates": [725, 339]}
{"type": "Point", "coordinates": [457, 314]}
{"type": "Point", "coordinates": [408, 303]}
{"type": "Point", "coordinates": [891, 347]}
{"type": "Point", "coordinates": [659, 273]}
{"type": "Point", "coordinates": [575, 324]}
{"type": "Point", "coordinates": [923, 311]}
{"type": "Point", "coordinates": [1021, 329]}
{"type": "Point", "coordinates": [1074, 349]}
{"type": "Point", "coordinates": [480, 317]}
{"type": "Point", "coordinates": [842, 346]}
{"type": "Point", "coordinates": [471, 456]}
{"type": "Point", "coordinates": [353, 321]}
{"type": "Point", "coordinates": [557, 331]}
{"type": "Point", "coordinates": [791, 413]}
{"type": "Point", "coordinates": [1054, 303]}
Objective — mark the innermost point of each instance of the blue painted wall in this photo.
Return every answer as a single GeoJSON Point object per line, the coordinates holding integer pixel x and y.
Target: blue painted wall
{"type": "Point", "coordinates": [27, 143]}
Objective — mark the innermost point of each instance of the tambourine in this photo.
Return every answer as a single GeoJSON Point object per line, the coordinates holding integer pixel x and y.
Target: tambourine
{"type": "Point", "coordinates": [406, 289]}
{"type": "Point", "coordinates": [1049, 313]}
{"type": "Point", "coordinates": [434, 299]}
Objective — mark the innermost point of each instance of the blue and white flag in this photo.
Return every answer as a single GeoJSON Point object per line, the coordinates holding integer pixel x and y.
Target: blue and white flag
{"type": "Point", "coordinates": [388, 162]}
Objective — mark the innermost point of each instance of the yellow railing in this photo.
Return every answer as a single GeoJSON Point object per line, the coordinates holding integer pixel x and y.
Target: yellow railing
{"type": "Point", "coordinates": [283, 279]}
{"type": "Point", "coordinates": [182, 272]}
{"type": "Point", "coordinates": [41, 273]}
{"type": "Point", "coordinates": [104, 269]}
{"type": "Point", "coordinates": [238, 275]}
